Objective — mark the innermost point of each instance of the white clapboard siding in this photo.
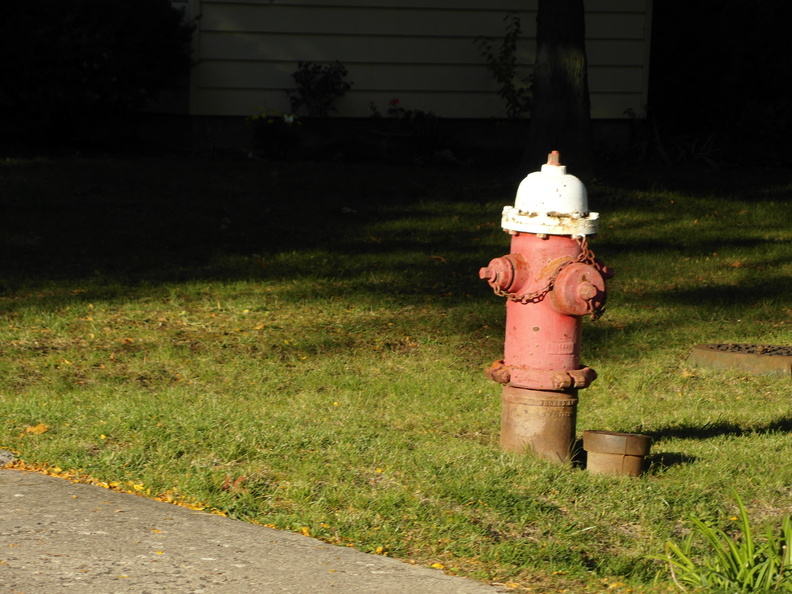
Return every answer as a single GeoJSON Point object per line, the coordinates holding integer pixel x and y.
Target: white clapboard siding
{"type": "Point", "coordinates": [422, 52]}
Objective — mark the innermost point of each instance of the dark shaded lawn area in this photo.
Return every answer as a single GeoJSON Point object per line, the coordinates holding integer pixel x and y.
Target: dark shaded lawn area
{"type": "Point", "coordinates": [169, 219]}
{"type": "Point", "coordinates": [157, 219]}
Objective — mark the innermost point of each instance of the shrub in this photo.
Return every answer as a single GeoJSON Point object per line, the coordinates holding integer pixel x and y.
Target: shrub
{"type": "Point", "coordinates": [318, 87]}
{"type": "Point", "coordinates": [277, 134]}
{"type": "Point", "coordinates": [68, 64]}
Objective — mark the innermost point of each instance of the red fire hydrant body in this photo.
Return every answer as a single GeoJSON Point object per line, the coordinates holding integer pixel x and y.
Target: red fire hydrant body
{"type": "Point", "coordinates": [551, 280]}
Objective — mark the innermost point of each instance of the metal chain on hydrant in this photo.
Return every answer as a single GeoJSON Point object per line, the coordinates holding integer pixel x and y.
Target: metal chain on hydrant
{"type": "Point", "coordinates": [534, 297]}
{"type": "Point", "coordinates": [586, 256]}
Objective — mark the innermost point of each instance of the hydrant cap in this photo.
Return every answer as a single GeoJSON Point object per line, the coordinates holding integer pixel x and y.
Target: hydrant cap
{"type": "Point", "coordinates": [551, 201]}
{"type": "Point", "coordinates": [552, 190]}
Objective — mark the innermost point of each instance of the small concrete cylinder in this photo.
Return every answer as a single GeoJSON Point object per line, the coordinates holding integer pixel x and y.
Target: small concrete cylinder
{"type": "Point", "coordinates": [614, 453]}
{"type": "Point", "coordinates": [539, 421]}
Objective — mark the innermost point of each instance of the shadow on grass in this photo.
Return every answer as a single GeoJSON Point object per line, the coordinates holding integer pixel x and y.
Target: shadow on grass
{"type": "Point", "coordinates": [721, 184]}
{"type": "Point", "coordinates": [745, 294]}
{"type": "Point", "coordinates": [671, 249]}
{"type": "Point", "coordinates": [663, 460]}
{"type": "Point", "coordinates": [71, 219]}
{"type": "Point", "coordinates": [721, 428]}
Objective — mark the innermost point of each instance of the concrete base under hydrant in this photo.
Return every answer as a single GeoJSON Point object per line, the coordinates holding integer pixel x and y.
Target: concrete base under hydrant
{"type": "Point", "coordinates": [539, 421]}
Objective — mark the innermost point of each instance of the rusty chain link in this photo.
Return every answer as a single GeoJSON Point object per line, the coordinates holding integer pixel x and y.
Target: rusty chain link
{"type": "Point", "coordinates": [534, 297]}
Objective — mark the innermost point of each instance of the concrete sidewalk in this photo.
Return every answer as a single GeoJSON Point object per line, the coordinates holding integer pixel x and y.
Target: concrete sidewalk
{"type": "Point", "coordinates": [56, 535]}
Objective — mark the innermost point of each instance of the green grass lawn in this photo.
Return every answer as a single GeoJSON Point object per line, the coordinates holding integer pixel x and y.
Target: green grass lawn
{"type": "Point", "coordinates": [303, 345]}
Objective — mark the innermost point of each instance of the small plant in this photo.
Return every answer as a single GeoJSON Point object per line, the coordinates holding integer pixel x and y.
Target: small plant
{"type": "Point", "coordinates": [742, 564]}
{"type": "Point", "coordinates": [318, 88]}
{"type": "Point", "coordinates": [407, 121]}
{"type": "Point", "coordinates": [404, 131]}
{"type": "Point", "coordinates": [516, 92]}
{"type": "Point", "coordinates": [276, 133]}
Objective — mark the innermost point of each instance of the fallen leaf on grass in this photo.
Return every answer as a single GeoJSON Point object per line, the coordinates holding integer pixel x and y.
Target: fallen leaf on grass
{"type": "Point", "coordinates": [234, 486]}
{"type": "Point", "coordinates": [36, 429]}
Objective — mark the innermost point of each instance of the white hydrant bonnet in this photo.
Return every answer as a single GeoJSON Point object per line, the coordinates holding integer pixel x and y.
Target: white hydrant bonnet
{"type": "Point", "coordinates": [551, 202]}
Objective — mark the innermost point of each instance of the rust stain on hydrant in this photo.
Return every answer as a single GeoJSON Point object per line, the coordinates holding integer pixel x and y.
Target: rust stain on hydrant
{"type": "Point", "coordinates": [551, 279]}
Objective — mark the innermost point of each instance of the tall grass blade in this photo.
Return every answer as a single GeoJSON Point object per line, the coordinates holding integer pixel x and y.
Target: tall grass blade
{"type": "Point", "coordinates": [740, 564]}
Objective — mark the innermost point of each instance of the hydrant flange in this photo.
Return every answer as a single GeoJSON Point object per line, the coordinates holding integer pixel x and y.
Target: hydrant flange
{"type": "Point", "coordinates": [540, 379]}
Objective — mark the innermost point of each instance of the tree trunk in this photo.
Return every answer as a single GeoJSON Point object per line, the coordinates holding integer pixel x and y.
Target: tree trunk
{"type": "Point", "coordinates": [560, 112]}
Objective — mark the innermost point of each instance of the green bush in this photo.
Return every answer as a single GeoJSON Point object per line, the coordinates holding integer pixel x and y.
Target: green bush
{"type": "Point", "coordinates": [68, 65]}
{"type": "Point", "coordinates": [318, 88]}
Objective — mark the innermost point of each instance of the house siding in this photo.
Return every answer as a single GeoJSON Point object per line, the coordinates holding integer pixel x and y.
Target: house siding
{"type": "Point", "coordinates": [422, 52]}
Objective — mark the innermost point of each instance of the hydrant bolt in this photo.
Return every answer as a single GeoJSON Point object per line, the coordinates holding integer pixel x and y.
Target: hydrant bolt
{"type": "Point", "coordinates": [587, 291]}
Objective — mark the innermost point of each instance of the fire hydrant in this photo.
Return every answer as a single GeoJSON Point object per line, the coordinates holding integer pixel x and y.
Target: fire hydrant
{"type": "Point", "coordinates": [551, 279]}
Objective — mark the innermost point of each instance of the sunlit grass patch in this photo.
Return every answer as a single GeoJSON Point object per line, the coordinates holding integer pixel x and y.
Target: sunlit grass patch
{"type": "Point", "coordinates": [316, 365]}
